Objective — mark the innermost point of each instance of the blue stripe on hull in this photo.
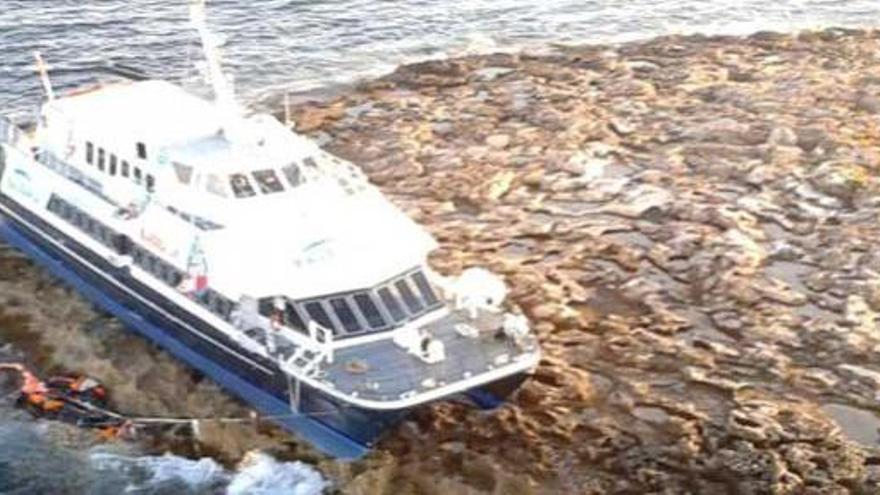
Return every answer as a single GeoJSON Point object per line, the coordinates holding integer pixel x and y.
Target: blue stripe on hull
{"type": "Point", "coordinates": [323, 437]}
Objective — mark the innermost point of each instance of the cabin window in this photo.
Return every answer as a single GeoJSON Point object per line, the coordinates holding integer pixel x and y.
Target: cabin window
{"type": "Point", "coordinates": [184, 173]}
{"type": "Point", "coordinates": [125, 169]}
{"type": "Point", "coordinates": [292, 317]}
{"type": "Point", "coordinates": [293, 174]}
{"type": "Point", "coordinates": [101, 159]}
{"type": "Point", "coordinates": [219, 305]}
{"type": "Point", "coordinates": [90, 153]}
{"type": "Point", "coordinates": [151, 183]}
{"type": "Point", "coordinates": [137, 175]}
{"type": "Point", "coordinates": [268, 181]}
{"type": "Point", "coordinates": [152, 263]}
{"type": "Point", "coordinates": [346, 315]}
{"type": "Point", "coordinates": [241, 186]}
{"type": "Point", "coordinates": [425, 289]}
{"type": "Point", "coordinates": [266, 306]}
{"type": "Point", "coordinates": [214, 185]}
{"type": "Point", "coordinates": [142, 151]}
{"type": "Point", "coordinates": [121, 244]}
{"type": "Point", "coordinates": [317, 312]}
{"type": "Point", "coordinates": [112, 164]}
{"type": "Point", "coordinates": [137, 254]}
{"type": "Point", "coordinates": [392, 304]}
{"type": "Point", "coordinates": [412, 302]}
{"type": "Point", "coordinates": [369, 310]}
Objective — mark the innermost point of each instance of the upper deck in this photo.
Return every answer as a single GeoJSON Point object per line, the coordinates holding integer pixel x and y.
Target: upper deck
{"type": "Point", "coordinates": [155, 112]}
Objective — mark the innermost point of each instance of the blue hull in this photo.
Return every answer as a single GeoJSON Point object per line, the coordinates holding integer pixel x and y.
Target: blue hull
{"type": "Point", "coordinates": [337, 429]}
{"type": "Point", "coordinates": [326, 438]}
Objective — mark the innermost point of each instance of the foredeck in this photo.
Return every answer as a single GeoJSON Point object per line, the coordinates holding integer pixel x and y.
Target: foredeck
{"type": "Point", "coordinates": [385, 371]}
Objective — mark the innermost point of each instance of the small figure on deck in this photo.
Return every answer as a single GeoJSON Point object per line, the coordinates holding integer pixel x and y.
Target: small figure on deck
{"type": "Point", "coordinates": [276, 320]}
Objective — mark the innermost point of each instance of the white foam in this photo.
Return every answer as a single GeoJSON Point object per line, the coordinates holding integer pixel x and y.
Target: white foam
{"type": "Point", "coordinates": [258, 474]}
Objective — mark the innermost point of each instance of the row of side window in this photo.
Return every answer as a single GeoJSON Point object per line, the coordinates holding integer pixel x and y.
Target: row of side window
{"type": "Point", "coordinates": [209, 298]}
{"type": "Point", "coordinates": [121, 244]}
{"type": "Point", "coordinates": [88, 224]}
{"type": "Point", "coordinates": [112, 165]}
{"type": "Point", "coordinates": [405, 298]}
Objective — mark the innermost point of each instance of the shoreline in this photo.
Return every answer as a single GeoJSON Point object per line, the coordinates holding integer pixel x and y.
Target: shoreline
{"type": "Point", "coordinates": [664, 210]}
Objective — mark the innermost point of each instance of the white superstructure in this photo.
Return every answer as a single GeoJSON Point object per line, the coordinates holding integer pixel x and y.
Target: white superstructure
{"type": "Point", "coordinates": [286, 254]}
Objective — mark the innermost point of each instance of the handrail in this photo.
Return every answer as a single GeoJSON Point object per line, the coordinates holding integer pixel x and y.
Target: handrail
{"type": "Point", "coordinates": [324, 337]}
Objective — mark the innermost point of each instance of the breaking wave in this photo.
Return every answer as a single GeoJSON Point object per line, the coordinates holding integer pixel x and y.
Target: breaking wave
{"type": "Point", "coordinates": [41, 458]}
{"type": "Point", "coordinates": [257, 474]}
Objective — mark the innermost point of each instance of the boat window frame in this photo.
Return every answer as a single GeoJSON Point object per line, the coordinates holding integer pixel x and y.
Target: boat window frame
{"type": "Point", "coordinates": [393, 297]}
{"type": "Point", "coordinates": [183, 172]}
{"type": "Point", "coordinates": [102, 158]}
{"type": "Point", "coordinates": [297, 322]}
{"type": "Point", "coordinates": [90, 152]}
{"type": "Point", "coordinates": [342, 302]}
{"type": "Point", "coordinates": [150, 183]}
{"type": "Point", "coordinates": [415, 305]}
{"type": "Point", "coordinates": [113, 162]}
{"type": "Point", "coordinates": [246, 191]}
{"type": "Point", "coordinates": [378, 311]}
{"type": "Point", "coordinates": [425, 289]}
{"type": "Point", "coordinates": [320, 304]}
{"type": "Point", "coordinates": [214, 184]}
{"type": "Point", "coordinates": [268, 187]}
{"type": "Point", "coordinates": [300, 177]}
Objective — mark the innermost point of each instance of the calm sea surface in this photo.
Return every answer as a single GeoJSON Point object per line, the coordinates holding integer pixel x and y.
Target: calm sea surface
{"type": "Point", "coordinates": [273, 46]}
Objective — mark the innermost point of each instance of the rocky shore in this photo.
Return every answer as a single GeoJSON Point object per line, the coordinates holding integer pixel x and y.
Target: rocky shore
{"type": "Point", "coordinates": [690, 222]}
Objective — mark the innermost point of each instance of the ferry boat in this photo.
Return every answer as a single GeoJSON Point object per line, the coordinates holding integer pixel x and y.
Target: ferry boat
{"type": "Point", "coordinates": [254, 256]}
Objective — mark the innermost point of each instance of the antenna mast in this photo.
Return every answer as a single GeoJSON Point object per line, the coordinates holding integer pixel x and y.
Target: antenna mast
{"type": "Point", "coordinates": [223, 89]}
{"type": "Point", "coordinates": [43, 71]}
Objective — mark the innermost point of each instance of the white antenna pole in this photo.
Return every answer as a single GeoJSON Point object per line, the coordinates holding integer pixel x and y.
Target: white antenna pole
{"type": "Point", "coordinates": [223, 90]}
{"type": "Point", "coordinates": [287, 109]}
{"type": "Point", "coordinates": [43, 71]}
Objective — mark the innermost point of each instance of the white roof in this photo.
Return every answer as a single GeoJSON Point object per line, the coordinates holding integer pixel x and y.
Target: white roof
{"type": "Point", "coordinates": [155, 112]}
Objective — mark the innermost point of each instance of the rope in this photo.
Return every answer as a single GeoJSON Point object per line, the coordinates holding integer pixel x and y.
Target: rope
{"type": "Point", "coordinates": [160, 420]}
{"type": "Point", "coordinates": [154, 420]}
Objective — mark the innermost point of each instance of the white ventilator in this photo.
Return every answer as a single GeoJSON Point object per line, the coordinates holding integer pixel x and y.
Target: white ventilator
{"type": "Point", "coordinates": [478, 289]}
